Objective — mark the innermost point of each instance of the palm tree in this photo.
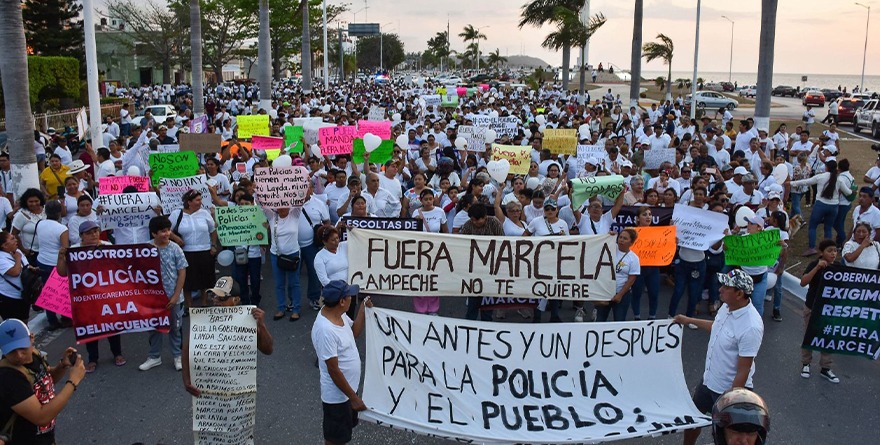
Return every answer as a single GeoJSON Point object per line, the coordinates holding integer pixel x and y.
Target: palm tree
{"type": "Point", "coordinates": [765, 62]}
{"type": "Point", "coordinates": [264, 57]}
{"type": "Point", "coordinates": [19, 120]}
{"type": "Point", "coordinates": [661, 50]}
{"type": "Point", "coordinates": [495, 58]}
{"type": "Point", "coordinates": [195, 43]}
{"type": "Point", "coordinates": [471, 34]}
{"type": "Point", "coordinates": [306, 54]}
{"type": "Point", "coordinates": [635, 58]}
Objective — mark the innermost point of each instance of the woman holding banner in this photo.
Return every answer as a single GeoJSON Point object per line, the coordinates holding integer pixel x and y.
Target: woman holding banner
{"type": "Point", "coordinates": [628, 270]}
{"type": "Point", "coordinates": [690, 271]}
{"type": "Point", "coordinates": [649, 276]}
{"type": "Point", "coordinates": [434, 221]}
{"type": "Point", "coordinates": [512, 223]}
{"type": "Point", "coordinates": [197, 229]}
{"type": "Point", "coordinates": [53, 238]}
{"type": "Point", "coordinates": [548, 225]}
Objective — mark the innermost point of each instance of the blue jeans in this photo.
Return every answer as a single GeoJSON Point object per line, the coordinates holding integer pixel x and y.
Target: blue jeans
{"type": "Point", "coordinates": [759, 293]}
{"type": "Point", "coordinates": [777, 293]}
{"type": "Point", "coordinates": [822, 214]}
{"type": "Point", "coordinates": [307, 254]}
{"type": "Point", "coordinates": [714, 265]}
{"type": "Point", "coordinates": [250, 294]}
{"type": "Point", "coordinates": [650, 277]}
{"type": "Point", "coordinates": [617, 310]}
{"type": "Point", "coordinates": [287, 291]}
{"type": "Point", "coordinates": [796, 203]}
{"type": "Point", "coordinates": [690, 275]}
{"type": "Point", "coordinates": [125, 129]}
{"type": "Point", "coordinates": [839, 222]}
{"type": "Point", "coordinates": [174, 335]}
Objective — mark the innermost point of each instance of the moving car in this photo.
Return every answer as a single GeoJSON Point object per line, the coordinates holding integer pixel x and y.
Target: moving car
{"type": "Point", "coordinates": [713, 86]}
{"type": "Point", "coordinates": [831, 94]}
{"type": "Point", "coordinates": [814, 97]}
{"type": "Point", "coordinates": [711, 99]}
{"type": "Point", "coordinates": [748, 91]}
{"type": "Point", "coordinates": [868, 117]}
{"type": "Point", "coordinates": [846, 109]}
{"type": "Point", "coordinates": [804, 90]}
{"type": "Point", "coordinates": [784, 90]}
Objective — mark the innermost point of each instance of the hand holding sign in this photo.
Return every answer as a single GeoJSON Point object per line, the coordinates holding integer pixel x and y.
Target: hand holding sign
{"type": "Point", "coordinates": [498, 170]}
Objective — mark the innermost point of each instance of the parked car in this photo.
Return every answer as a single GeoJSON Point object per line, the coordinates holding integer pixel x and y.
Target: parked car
{"type": "Point", "coordinates": [814, 97]}
{"type": "Point", "coordinates": [713, 86]}
{"type": "Point", "coordinates": [804, 90]}
{"type": "Point", "coordinates": [728, 87]}
{"type": "Point", "coordinates": [868, 117]}
{"type": "Point", "coordinates": [831, 94]}
{"type": "Point", "coordinates": [748, 91]}
{"type": "Point", "coordinates": [480, 78]}
{"type": "Point", "coordinates": [712, 100]}
{"type": "Point", "coordinates": [160, 112]}
{"type": "Point", "coordinates": [846, 109]}
{"type": "Point", "coordinates": [784, 90]}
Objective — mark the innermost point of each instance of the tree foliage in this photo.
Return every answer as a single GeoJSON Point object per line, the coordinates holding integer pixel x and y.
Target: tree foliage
{"type": "Point", "coordinates": [226, 24]}
{"type": "Point", "coordinates": [53, 27]}
{"type": "Point", "coordinates": [51, 78]}
{"type": "Point", "coordinates": [662, 49]}
{"type": "Point", "coordinates": [154, 32]}
{"type": "Point", "coordinates": [368, 51]}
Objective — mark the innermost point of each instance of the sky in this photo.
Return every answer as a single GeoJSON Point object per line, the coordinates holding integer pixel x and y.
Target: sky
{"type": "Point", "coordinates": [812, 36]}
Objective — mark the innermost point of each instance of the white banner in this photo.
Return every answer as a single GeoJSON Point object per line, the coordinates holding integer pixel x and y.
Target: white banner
{"type": "Point", "coordinates": [126, 209]}
{"type": "Point", "coordinates": [223, 366]}
{"type": "Point", "coordinates": [656, 156]}
{"type": "Point", "coordinates": [376, 113]}
{"type": "Point", "coordinates": [431, 264]}
{"type": "Point", "coordinates": [502, 125]}
{"type": "Point", "coordinates": [481, 382]}
{"type": "Point", "coordinates": [432, 100]}
{"type": "Point", "coordinates": [476, 137]}
{"type": "Point", "coordinates": [172, 190]}
{"type": "Point", "coordinates": [697, 228]}
{"type": "Point", "coordinates": [585, 152]}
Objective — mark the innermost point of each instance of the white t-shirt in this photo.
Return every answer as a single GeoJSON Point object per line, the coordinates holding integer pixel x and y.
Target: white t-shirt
{"type": "Point", "coordinates": [868, 259]}
{"type": "Point", "coordinates": [49, 233]}
{"type": "Point", "coordinates": [870, 216]}
{"type": "Point", "coordinates": [597, 227]}
{"type": "Point", "coordinates": [511, 229]}
{"type": "Point", "coordinates": [627, 264]}
{"type": "Point", "coordinates": [285, 232]}
{"type": "Point", "coordinates": [459, 220]}
{"type": "Point", "coordinates": [433, 218]}
{"type": "Point", "coordinates": [734, 334]}
{"type": "Point", "coordinates": [330, 340]}
{"type": "Point", "coordinates": [332, 266]}
{"type": "Point", "coordinates": [7, 261]}
{"type": "Point", "coordinates": [318, 212]}
{"type": "Point", "coordinates": [539, 227]}
{"type": "Point", "coordinates": [195, 229]}
{"type": "Point", "coordinates": [531, 212]}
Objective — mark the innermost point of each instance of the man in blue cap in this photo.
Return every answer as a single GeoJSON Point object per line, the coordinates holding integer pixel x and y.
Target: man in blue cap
{"type": "Point", "coordinates": [29, 402]}
{"type": "Point", "coordinates": [333, 336]}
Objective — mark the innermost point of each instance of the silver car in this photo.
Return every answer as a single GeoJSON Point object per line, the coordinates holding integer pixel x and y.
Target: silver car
{"type": "Point", "coordinates": [711, 99]}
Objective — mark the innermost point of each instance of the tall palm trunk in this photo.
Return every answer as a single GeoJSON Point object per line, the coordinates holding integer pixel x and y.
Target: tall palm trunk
{"type": "Point", "coordinates": [566, 61]}
{"type": "Point", "coordinates": [636, 57]}
{"type": "Point", "coordinates": [669, 81]}
{"type": "Point", "coordinates": [265, 58]}
{"type": "Point", "coordinates": [19, 120]}
{"type": "Point", "coordinates": [765, 63]}
{"type": "Point", "coordinates": [306, 55]}
{"type": "Point", "coordinates": [195, 42]}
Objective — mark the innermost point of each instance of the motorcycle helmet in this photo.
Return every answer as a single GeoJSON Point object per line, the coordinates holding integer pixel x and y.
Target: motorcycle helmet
{"type": "Point", "coordinates": [740, 410]}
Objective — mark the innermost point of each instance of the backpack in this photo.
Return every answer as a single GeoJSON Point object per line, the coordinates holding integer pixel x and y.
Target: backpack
{"type": "Point", "coordinates": [31, 284]}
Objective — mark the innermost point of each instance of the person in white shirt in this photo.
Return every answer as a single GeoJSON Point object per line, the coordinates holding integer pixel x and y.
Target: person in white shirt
{"type": "Point", "coordinates": [63, 152]}
{"type": "Point", "coordinates": [809, 117]}
{"type": "Point", "coordinates": [124, 121]}
{"type": "Point", "coordinates": [659, 139]}
{"type": "Point", "coordinates": [748, 195]}
{"type": "Point", "coordinates": [803, 144]}
{"type": "Point", "coordinates": [867, 212]}
{"type": "Point", "coordinates": [334, 191]}
{"type": "Point", "coordinates": [833, 135]}
{"type": "Point", "coordinates": [743, 137]}
{"type": "Point", "coordinates": [383, 203]}
{"type": "Point", "coordinates": [829, 186]}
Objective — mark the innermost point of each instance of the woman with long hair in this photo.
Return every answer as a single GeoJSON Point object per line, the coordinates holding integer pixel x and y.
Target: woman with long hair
{"type": "Point", "coordinates": [831, 186]}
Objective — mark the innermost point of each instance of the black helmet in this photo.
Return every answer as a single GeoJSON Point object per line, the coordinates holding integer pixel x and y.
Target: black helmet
{"type": "Point", "coordinates": [741, 410]}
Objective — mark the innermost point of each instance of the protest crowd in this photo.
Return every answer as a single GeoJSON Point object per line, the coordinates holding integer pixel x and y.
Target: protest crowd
{"type": "Point", "coordinates": [293, 185]}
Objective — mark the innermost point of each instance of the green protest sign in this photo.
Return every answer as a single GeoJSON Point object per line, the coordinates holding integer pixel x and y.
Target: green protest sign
{"type": "Point", "coordinates": [241, 226]}
{"type": "Point", "coordinates": [380, 155]}
{"type": "Point", "coordinates": [449, 100]}
{"type": "Point", "coordinates": [757, 249]}
{"type": "Point", "coordinates": [844, 318]}
{"type": "Point", "coordinates": [586, 188]}
{"type": "Point", "coordinates": [173, 165]}
{"type": "Point", "coordinates": [293, 136]}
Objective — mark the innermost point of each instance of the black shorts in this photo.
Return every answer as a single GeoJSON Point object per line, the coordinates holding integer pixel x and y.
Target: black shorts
{"type": "Point", "coordinates": [339, 420]}
{"type": "Point", "coordinates": [704, 398]}
{"type": "Point", "coordinates": [200, 273]}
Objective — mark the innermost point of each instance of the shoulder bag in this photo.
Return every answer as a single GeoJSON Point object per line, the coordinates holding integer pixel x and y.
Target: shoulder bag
{"type": "Point", "coordinates": [287, 262]}
{"type": "Point", "coordinates": [31, 284]}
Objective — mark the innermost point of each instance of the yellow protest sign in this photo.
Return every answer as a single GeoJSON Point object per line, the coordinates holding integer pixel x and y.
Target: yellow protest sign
{"type": "Point", "coordinates": [519, 157]}
{"type": "Point", "coordinates": [256, 125]}
{"type": "Point", "coordinates": [561, 141]}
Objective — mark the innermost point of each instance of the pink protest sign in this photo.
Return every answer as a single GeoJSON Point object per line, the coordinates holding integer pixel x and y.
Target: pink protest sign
{"type": "Point", "coordinates": [281, 187]}
{"type": "Point", "coordinates": [337, 140]}
{"type": "Point", "coordinates": [379, 128]}
{"type": "Point", "coordinates": [55, 296]}
{"type": "Point", "coordinates": [266, 142]}
{"type": "Point", "coordinates": [112, 185]}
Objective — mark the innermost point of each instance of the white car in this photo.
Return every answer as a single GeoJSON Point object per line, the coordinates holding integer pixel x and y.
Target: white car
{"type": "Point", "coordinates": [748, 90]}
{"type": "Point", "coordinates": [160, 112]}
{"type": "Point", "coordinates": [713, 86]}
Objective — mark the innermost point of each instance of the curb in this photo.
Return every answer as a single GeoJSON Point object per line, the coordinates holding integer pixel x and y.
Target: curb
{"type": "Point", "coordinates": [38, 324]}
{"type": "Point", "coordinates": [793, 285]}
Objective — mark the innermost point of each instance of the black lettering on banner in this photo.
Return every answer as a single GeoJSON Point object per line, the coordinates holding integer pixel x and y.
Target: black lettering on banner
{"type": "Point", "coordinates": [628, 216]}
{"type": "Point", "coordinates": [377, 223]}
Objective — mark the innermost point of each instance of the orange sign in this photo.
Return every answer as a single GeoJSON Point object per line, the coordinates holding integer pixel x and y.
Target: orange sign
{"type": "Point", "coordinates": [655, 245]}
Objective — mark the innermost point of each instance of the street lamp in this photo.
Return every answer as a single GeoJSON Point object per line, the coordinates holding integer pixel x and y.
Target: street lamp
{"type": "Point", "coordinates": [354, 14]}
{"type": "Point", "coordinates": [696, 57]}
{"type": "Point", "coordinates": [730, 72]}
{"type": "Point", "coordinates": [326, 56]}
{"type": "Point", "coordinates": [865, 53]}
{"type": "Point", "coordinates": [478, 46]}
{"type": "Point", "coordinates": [381, 47]}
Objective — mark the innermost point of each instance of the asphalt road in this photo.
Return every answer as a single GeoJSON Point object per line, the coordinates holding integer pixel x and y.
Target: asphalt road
{"type": "Point", "coordinates": [122, 405]}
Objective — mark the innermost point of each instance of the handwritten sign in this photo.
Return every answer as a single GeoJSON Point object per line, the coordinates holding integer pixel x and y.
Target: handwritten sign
{"type": "Point", "coordinates": [55, 296]}
{"type": "Point", "coordinates": [756, 249]}
{"type": "Point", "coordinates": [657, 156]}
{"type": "Point", "coordinates": [293, 139]}
{"type": "Point", "coordinates": [476, 137]}
{"type": "Point", "coordinates": [503, 125]}
{"type": "Point", "coordinates": [655, 246]}
{"type": "Point", "coordinates": [585, 152]}
{"type": "Point", "coordinates": [519, 157]}
{"type": "Point", "coordinates": [432, 100]}
{"type": "Point", "coordinates": [380, 155]}
{"type": "Point", "coordinates": [697, 229]}
{"type": "Point", "coordinates": [111, 185]}
{"type": "Point", "coordinates": [173, 165]}
{"type": "Point", "coordinates": [241, 226]}
{"type": "Point", "coordinates": [561, 141]}
{"type": "Point", "coordinates": [310, 131]}
{"type": "Point", "coordinates": [168, 148]}
{"type": "Point", "coordinates": [172, 190]}
{"type": "Point", "coordinates": [200, 143]}
{"type": "Point", "coordinates": [248, 126]}
{"type": "Point", "coordinates": [281, 187]}
{"type": "Point", "coordinates": [126, 210]}
{"type": "Point", "coordinates": [379, 128]}
{"type": "Point", "coordinates": [449, 100]}
{"type": "Point", "coordinates": [601, 385]}
{"type": "Point", "coordinates": [337, 140]}
{"type": "Point", "coordinates": [223, 366]}
{"type": "Point", "coordinates": [376, 113]}
{"type": "Point", "coordinates": [266, 142]}
{"type": "Point", "coordinates": [586, 188]}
